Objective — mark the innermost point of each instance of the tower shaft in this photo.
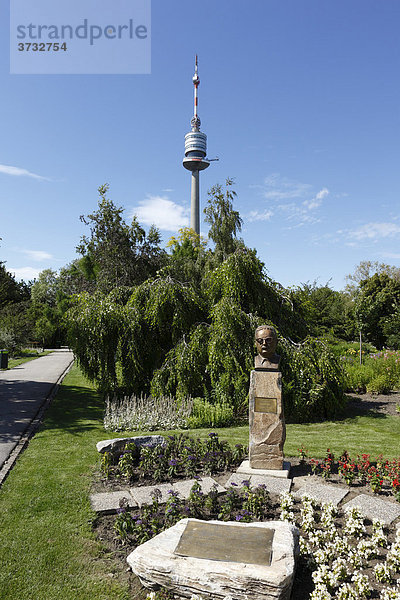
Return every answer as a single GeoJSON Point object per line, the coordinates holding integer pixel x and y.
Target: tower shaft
{"type": "Point", "coordinates": [195, 202]}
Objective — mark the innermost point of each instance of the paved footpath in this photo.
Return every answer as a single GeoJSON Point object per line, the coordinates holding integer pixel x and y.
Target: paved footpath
{"type": "Point", "coordinates": [23, 390]}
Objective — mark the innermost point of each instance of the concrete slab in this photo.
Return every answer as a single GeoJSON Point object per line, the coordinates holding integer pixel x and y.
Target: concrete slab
{"type": "Point", "coordinates": [107, 503]}
{"type": "Point", "coordinates": [375, 508]}
{"type": "Point", "coordinates": [206, 484]}
{"type": "Point", "coordinates": [142, 495]}
{"type": "Point", "coordinates": [247, 470]}
{"type": "Point", "coordinates": [322, 492]}
{"type": "Point", "coordinates": [274, 485]}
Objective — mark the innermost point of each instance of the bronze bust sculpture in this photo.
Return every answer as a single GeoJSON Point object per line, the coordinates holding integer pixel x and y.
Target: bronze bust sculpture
{"type": "Point", "coordinates": [266, 340]}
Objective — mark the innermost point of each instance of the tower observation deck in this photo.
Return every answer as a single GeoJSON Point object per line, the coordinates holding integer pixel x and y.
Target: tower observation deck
{"type": "Point", "coordinates": [195, 156]}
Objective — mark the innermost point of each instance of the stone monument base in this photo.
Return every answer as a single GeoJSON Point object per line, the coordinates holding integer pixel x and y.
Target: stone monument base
{"type": "Point", "coordinates": [246, 469]}
{"type": "Point", "coordinates": [190, 558]}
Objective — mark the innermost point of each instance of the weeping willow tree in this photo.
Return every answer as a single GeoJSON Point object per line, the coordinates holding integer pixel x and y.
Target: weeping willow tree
{"type": "Point", "coordinates": [188, 330]}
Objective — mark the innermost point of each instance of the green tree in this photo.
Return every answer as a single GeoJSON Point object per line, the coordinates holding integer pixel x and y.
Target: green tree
{"type": "Point", "coordinates": [375, 305]}
{"type": "Point", "coordinates": [15, 325]}
{"type": "Point", "coordinates": [324, 310]}
{"type": "Point", "coordinates": [116, 254]}
{"type": "Point", "coordinates": [365, 270]}
{"type": "Point", "coordinates": [224, 221]}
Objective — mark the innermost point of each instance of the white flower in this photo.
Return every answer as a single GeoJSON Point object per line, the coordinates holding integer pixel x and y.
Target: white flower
{"type": "Point", "coordinates": [287, 515]}
{"type": "Point", "coordinates": [378, 535]}
{"type": "Point", "coordinates": [339, 571]}
{"type": "Point", "coordinates": [322, 575]}
{"type": "Point", "coordinates": [383, 573]}
{"type": "Point", "coordinates": [389, 594]}
{"type": "Point", "coordinates": [286, 500]}
{"type": "Point", "coordinates": [354, 523]}
{"type": "Point", "coordinates": [367, 549]}
{"type": "Point", "coordinates": [361, 584]}
{"type": "Point", "coordinates": [346, 592]}
{"type": "Point", "coordinates": [321, 592]}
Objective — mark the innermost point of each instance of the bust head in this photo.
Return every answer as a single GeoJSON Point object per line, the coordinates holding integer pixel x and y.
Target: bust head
{"type": "Point", "coordinates": [266, 340]}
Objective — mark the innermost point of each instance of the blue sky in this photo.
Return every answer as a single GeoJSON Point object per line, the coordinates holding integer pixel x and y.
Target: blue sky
{"type": "Point", "coordinates": [299, 100]}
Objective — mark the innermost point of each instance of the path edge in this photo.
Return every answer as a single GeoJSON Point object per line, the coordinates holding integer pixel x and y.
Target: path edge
{"type": "Point", "coordinates": [33, 426]}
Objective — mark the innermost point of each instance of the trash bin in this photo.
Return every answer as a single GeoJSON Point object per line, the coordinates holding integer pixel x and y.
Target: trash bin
{"type": "Point", "coordinates": [3, 359]}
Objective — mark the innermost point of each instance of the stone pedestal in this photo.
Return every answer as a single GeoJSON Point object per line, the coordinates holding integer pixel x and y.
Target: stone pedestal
{"type": "Point", "coordinates": [267, 422]}
{"type": "Point", "coordinates": [243, 561]}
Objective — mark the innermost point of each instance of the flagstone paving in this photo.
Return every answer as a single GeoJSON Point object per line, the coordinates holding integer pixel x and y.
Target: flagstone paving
{"type": "Point", "coordinates": [107, 503]}
{"type": "Point", "coordinates": [322, 492]}
{"type": "Point", "coordinates": [274, 485]}
{"type": "Point", "coordinates": [371, 507]}
{"type": "Point", "coordinates": [375, 508]}
{"type": "Point", "coordinates": [206, 484]}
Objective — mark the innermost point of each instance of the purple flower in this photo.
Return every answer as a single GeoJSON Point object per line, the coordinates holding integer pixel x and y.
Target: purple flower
{"type": "Point", "coordinates": [173, 462]}
{"type": "Point", "coordinates": [235, 484]}
{"type": "Point", "coordinates": [211, 435]}
{"type": "Point", "coordinates": [239, 517]}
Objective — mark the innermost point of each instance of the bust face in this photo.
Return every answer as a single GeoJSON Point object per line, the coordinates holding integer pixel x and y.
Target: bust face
{"type": "Point", "coordinates": [266, 342]}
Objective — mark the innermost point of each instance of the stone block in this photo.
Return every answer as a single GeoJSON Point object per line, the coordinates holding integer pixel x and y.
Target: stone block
{"type": "Point", "coordinates": [322, 492]}
{"type": "Point", "coordinates": [107, 503]}
{"type": "Point", "coordinates": [274, 485]}
{"type": "Point", "coordinates": [375, 508]}
{"type": "Point", "coordinates": [266, 419]}
{"type": "Point", "coordinates": [117, 445]}
{"type": "Point", "coordinates": [157, 563]}
{"type": "Point", "coordinates": [245, 469]}
{"type": "Point", "coordinates": [142, 495]}
{"type": "Point", "coordinates": [206, 484]}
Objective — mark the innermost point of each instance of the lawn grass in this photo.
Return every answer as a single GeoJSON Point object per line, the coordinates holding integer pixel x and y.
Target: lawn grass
{"type": "Point", "coordinates": [47, 548]}
{"type": "Point", "coordinates": [26, 357]}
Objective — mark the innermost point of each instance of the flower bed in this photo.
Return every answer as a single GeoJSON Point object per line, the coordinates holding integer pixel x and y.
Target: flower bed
{"type": "Point", "coordinates": [379, 475]}
{"type": "Point", "coordinates": [181, 457]}
{"type": "Point", "coordinates": [342, 556]}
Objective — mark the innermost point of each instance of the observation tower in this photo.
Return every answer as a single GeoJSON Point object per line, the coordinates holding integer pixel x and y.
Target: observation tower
{"type": "Point", "coordinates": [195, 157]}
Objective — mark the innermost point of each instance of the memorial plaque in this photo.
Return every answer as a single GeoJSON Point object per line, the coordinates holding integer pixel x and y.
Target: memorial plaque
{"type": "Point", "coordinates": [252, 545]}
{"type": "Point", "coordinates": [265, 405]}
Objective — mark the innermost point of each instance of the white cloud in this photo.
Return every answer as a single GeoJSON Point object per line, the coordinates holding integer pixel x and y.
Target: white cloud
{"type": "Point", "coordinates": [390, 255]}
{"type": "Point", "coordinates": [317, 200]}
{"type": "Point", "coordinates": [17, 171]}
{"type": "Point", "coordinates": [26, 273]}
{"type": "Point", "coordinates": [254, 215]}
{"type": "Point", "coordinates": [277, 187]}
{"type": "Point", "coordinates": [37, 255]}
{"type": "Point", "coordinates": [162, 212]}
{"type": "Point", "coordinates": [374, 231]}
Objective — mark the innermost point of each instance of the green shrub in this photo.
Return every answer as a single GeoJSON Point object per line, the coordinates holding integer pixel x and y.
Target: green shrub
{"type": "Point", "coordinates": [357, 376]}
{"type": "Point", "coordinates": [380, 384]}
{"type": "Point", "coordinates": [379, 373]}
{"type": "Point", "coordinates": [313, 381]}
{"type": "Point", "coordinates": [205, 414]}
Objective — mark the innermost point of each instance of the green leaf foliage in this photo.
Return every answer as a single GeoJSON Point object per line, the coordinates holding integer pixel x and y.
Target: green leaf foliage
{"type": "Point", "coordinates": [313, 381]}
